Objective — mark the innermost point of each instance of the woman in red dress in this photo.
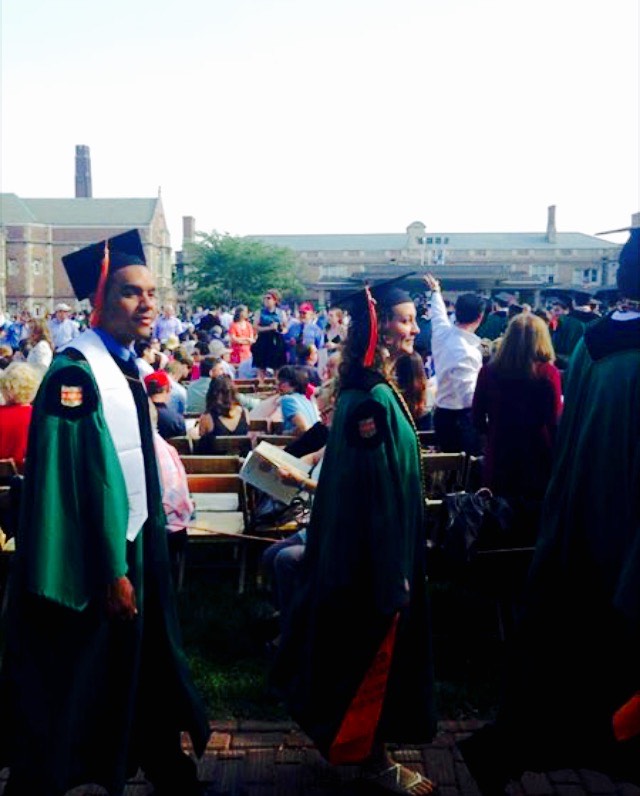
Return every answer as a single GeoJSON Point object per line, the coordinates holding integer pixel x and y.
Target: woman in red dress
{"type": "Point", "coordinates": [517, 404]}
{"type": "Point", "coordinates": [18, 385]}
{"type": "Point", "coordinates": [241, 335]}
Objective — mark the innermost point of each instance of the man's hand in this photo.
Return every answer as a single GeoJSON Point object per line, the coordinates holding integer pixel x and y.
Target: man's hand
{"type": "Point", "coordinates": [121, 599]}
{"type": "Point", "coordinates": [431, 282]}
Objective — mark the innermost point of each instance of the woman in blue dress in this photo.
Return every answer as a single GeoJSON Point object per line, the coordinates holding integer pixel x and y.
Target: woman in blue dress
{"type": "Point", "coordinates": [269, 349]}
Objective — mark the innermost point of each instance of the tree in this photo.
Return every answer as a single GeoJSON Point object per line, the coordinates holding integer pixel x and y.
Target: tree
{"type": "Point", "coordinates": [228, 270]}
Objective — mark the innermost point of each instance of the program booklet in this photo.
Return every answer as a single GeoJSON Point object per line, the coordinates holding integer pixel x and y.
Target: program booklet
{"type": "Point", "coordinates": [260, 469]}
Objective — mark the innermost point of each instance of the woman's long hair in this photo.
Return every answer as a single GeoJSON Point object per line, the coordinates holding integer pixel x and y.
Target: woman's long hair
{"type": "Point", "coordinates": [412, 382]}
{"type": "Point", "coordinates": [38, 330]}
{"type": "Point", "coordinates": [222, 396]}
{"type": "Point", "coordinates": [526, 344]}
{"type": "Point", "coordinates": [237, 315]}
{"type": "Point", "coordinates": [355, 345]}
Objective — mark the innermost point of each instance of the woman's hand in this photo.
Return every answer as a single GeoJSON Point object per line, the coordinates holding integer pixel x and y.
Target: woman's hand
{"type": "Point", "coordinates": [289, 478]}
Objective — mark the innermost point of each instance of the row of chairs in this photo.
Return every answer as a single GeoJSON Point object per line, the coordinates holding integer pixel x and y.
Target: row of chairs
{"type": "Point", "coordinates": [231, 445]}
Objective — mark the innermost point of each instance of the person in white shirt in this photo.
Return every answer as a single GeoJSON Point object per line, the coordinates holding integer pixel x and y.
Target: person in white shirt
{"type": "Point", "coordinates": [61, 328]}
{"type": "Point", "coordinates": [145, 357]}
{"type": "Point", "coordinates": [457, 359]}
{"type": "Point", "coordinates": [219, 350]}
{"type": "Point", "coordinates": [167, 324]}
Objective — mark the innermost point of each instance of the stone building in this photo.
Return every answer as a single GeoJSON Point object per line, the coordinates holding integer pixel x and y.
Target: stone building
{"type": "Point", "coordinates": [36, 233]}
{"type": "Point", "coordinates": [523, 263]}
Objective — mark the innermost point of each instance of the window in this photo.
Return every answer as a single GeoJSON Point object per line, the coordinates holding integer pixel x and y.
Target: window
{"type": "Point", "coordinates": [566, 252]}
{"type": "Point", "coordinates": [590, 275]}
{"type": "Point", "coordinates": [12, 267]}
{"type": "Point", "coordinates": [37, 267]}
{"type": "Point", "coordinates": [429, 240]}
{"type": "Point", "coordinates": [438, 241]}
{"type": "Point", "coordinates": [542, 270]}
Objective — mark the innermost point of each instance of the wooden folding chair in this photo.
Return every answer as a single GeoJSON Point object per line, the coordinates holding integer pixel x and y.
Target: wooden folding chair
{"type": "Point", "coordinates": [183, 445]}
{"type": "Point", "coordinates": [427, 439]}
{"type": "Point", "coordinates": [7, 470]}
{"type": "Point", "coordinates": [281, 440]}
{"type": "Point", "coordinates": [229, 445]}
{"type": "Point", "coordinates": [221, 515]}
{"type": "Point", "coordinates": [443, 473]}
{"type": "Point", "coordinates": [473, 473]}
{"type": "Point", "coordinates": [203, 465]}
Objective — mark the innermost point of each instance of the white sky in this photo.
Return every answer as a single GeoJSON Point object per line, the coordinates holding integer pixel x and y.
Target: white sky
{"type": "Point", "coordinates": [300, 116]}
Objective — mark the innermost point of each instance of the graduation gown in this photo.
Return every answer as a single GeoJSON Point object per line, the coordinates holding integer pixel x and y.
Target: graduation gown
{"type": "Point", "coordinates": [362, 605]}
{"type": "Point", "coordinates": [577, 653]}
{"type": "Point", "coordinates": [79, 694]}
{"type": "Point", "coordinates": [570, 330]}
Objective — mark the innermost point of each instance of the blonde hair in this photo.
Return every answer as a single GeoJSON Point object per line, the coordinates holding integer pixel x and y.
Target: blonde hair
{"type": "Point", "coordinates": [39, 330]}
{"type": "Point", "coordinates": [19, 383]}
{"type": "Point", "coordinates": [526, 343]}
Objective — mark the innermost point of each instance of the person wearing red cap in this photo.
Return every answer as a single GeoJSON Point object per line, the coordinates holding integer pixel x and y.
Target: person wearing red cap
{"type": "Point", "coordinates": [170, 423]}
{"type": "Point", "coordinates": [94, 680]}
{"type": "Point", "coordinates": [302, 333]}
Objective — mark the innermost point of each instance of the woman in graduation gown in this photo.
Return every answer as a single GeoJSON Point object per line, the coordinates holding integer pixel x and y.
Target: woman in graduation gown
{"type": "Point", "coordinates": [356, 665]}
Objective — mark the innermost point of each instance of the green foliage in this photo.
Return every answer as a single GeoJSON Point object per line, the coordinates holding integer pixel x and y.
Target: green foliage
{"type": "Point", "coordinates": [230, 270]}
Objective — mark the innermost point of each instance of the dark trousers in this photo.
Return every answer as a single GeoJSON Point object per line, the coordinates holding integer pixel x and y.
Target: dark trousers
{"type": "Point", "coordinates": [455, 431]}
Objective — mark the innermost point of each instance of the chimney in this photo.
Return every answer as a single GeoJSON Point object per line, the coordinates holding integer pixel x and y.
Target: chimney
{"type": "Point", "coordinates": [188, 230]}
{"type": "Point", "coordinates": [83, 172]}
{"type": "Point", "coordinates": [551, 224]}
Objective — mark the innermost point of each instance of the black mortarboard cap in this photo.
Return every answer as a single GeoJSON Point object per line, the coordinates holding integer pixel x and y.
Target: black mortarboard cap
{"type": "Point", "coordinates": [387, 294]}
{"type": "Point", "coordinates": [581, 298]}
{"type": "Point", "coordinates": [628, 275]}
{"type": "Point", "coordinates": [83, 267]}
{"type": "Point", "coordinates": [364, 326]}
{"type": "Point", "coordinates": [503, 297]}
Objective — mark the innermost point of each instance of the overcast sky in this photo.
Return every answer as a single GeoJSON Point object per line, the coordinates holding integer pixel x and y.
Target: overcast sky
{"type": "Point", "coordinates": [300, 116]}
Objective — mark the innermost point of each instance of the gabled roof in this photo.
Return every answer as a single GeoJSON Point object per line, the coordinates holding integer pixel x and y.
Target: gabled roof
{"type": "Point", "coordinates": [13, 210]}
{"type": "Point", "coordinates": [464, 241]}
{"type": "Point", "coordinates": [78, 212]}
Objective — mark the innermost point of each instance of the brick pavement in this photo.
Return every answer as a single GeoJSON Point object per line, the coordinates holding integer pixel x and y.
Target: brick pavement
{"type": "Point", "coordinates": [254, 758]}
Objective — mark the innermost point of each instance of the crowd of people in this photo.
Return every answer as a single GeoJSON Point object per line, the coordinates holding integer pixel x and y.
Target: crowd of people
{"type": "Point", "coordinates": [548, 397]}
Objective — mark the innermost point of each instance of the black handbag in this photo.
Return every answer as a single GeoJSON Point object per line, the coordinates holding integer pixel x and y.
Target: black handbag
{"type": "Point", "coordinates": [471, 522]}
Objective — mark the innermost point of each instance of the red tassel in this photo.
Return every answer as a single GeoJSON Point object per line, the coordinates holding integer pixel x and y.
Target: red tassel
{"type": "Point", "coordinates": [98, 302]}
{"type": "Point", "coordinates": [373, 329]}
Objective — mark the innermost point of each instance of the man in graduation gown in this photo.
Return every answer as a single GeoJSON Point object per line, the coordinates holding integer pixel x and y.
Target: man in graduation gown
{"type": "Point", "coordinates": [356, 665]}
{"type": "Point", "coordinates": [572, 326]}
{"type": "Point", "coordinates": [94, 681]}
{"type": "Point", "coordinates": [576, 659]}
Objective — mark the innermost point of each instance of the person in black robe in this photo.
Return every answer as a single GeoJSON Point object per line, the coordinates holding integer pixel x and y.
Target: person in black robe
{"type": "Point", "coordinates": [575, 661]}
{"type": "Point", "coordinates": [94, 682]}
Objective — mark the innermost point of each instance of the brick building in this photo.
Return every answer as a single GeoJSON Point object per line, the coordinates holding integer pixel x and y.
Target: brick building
{"type": "Point", "coordinates": [524, 263]}
{"type": "Point", "coordinates": [36, 233]}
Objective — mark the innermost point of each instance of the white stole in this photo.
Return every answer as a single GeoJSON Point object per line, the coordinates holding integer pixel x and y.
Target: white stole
{"type": "Point", "coordinates": [121, 417]}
